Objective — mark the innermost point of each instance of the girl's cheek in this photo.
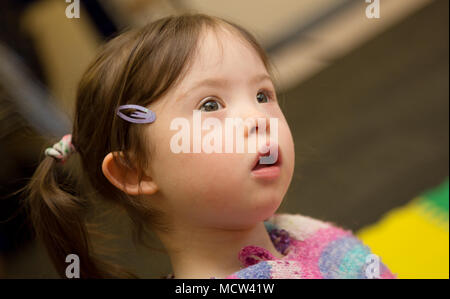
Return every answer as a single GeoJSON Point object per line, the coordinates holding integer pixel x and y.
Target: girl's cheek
{"type": "Point", "coordinates": [289, 148]}
{"type": "Point", "coordinates": [274, 110]}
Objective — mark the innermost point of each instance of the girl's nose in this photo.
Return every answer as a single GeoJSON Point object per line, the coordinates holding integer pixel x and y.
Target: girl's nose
{"type": "Point", "coordinates": [255, 124]}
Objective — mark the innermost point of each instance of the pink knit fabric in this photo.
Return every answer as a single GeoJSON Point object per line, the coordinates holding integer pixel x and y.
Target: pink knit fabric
{"type": "Point", "coordinates": [316, 250]}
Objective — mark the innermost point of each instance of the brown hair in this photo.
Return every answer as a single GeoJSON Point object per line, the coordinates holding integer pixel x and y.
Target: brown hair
{"type": "Point", "coordinates": [136, 67]}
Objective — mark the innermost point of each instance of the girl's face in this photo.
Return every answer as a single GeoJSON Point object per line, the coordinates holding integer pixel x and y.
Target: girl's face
{"type": "Point", "coordinates": [219, 190]}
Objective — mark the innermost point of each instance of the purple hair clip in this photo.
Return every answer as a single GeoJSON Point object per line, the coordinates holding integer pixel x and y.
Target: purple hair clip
{"type": "Point", "coordinates": [141, 116]}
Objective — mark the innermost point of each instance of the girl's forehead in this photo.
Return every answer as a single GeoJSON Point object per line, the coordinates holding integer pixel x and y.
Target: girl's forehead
{"type": "Point", "coordinates": [223, 53]}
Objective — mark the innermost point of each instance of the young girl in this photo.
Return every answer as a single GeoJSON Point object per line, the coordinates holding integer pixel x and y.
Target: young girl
{"type": "Point", "coordinates": [214, 212]}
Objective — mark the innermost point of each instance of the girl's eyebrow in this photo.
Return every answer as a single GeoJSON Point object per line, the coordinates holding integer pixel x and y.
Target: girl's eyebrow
{"type": "Point", "coordinates": [221, 82]}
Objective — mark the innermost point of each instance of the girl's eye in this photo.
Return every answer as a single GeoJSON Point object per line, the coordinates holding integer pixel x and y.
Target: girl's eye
{"type": "Point", "coordinates": [210, 105]}
{"type": "Point", "coordinates": [262, 97]}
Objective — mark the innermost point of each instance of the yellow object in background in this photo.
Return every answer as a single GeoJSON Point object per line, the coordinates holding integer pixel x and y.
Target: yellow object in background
{"type": "Point", "coordinates": [413, 240]}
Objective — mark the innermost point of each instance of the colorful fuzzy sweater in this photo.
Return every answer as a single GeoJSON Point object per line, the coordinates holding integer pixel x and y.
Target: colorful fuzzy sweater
{"type": "Point", "coordinates": [311, 249]}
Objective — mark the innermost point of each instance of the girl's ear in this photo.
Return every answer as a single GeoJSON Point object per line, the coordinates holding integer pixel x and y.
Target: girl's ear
{"type": "Point", "coordinates": [126, 178]}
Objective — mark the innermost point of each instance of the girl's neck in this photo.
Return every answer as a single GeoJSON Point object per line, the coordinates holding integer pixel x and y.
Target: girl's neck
{"type": "Point", "coordinates": [206, 253]}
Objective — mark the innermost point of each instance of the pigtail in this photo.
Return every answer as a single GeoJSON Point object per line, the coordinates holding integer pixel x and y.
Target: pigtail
{"type": "Point", "coordinates": [58, 216]}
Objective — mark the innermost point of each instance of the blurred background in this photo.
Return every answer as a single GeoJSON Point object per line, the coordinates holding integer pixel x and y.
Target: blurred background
{"type": "Point", "coordinates": [367, 100]}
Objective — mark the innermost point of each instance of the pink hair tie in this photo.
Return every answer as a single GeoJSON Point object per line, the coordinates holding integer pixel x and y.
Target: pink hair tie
{"type": "Point", "coordinates": [62, 149]}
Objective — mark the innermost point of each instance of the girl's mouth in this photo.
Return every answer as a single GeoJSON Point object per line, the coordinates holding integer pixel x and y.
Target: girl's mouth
{"type": "Point", "coordinates": [267, 166]}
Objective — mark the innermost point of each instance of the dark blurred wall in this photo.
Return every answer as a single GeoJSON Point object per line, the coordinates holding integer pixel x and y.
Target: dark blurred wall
{"type": "Point", "coordinates": [372, 130]}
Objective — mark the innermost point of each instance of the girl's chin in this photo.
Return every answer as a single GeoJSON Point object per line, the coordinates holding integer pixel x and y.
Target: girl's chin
{"type": "Point", "coordinates": [263, 213]}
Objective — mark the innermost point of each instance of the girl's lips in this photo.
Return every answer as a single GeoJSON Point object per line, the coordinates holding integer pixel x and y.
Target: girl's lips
{"type": "Point", "coordinates": [267, 171]}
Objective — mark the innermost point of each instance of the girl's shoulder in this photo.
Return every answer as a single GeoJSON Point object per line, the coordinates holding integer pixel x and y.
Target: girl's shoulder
{"type": "Point", "coordinates": [314, 249]}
